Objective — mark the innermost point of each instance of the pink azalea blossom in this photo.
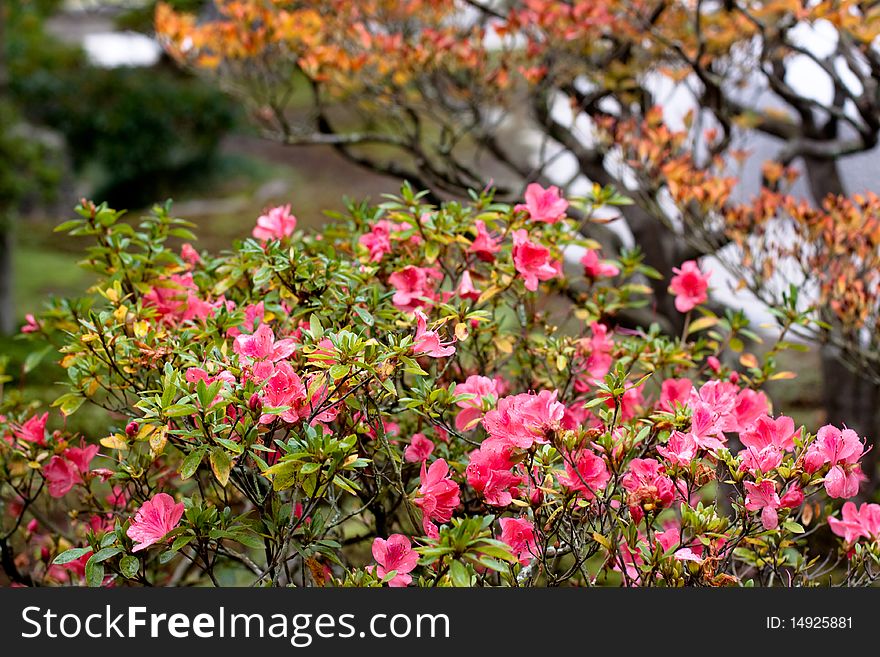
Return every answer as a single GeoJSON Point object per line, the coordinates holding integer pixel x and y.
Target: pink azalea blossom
{"type": "Point", "coordinates": [856, 523]}
{"type": "Point", "coordinates": [525, 419]}
{"type": "Point", "coordinates": [532, 261]}
{"type": "Point", "coordinates": [648, 487]}
{"type": "Point", "coordinates": [747, 408]}
{"type": "Point", "coordinates": [284, 388]}
{"type": "Point", "coordinates": [175, 299]}
{"type": "Point", "coordinates": [489, 473]}
{"type": "Point", "coordinates": [261, 346]}
{"type": "Point", "coordinates": [519, 534]}
{"type": "Point", "coordinates": [595, 268]}
{"type": "Point", "coordinates": [484, 245]}
{"type": "Point", "coordinates": [437, 496]}
{"type": "Point", "coordinates": [378, 240]}
{"type": "Point", "coordinates": [33, 430]}
{"type": "Point", "coordinates": [766, 431]}
{"type": "Point", "coordinates": [674, 391]}
{"type": "Point", "coordinates": [586, 473]}
{"type": "Point", "coordinates": [253, 317]}
{"type": "Point", "coordinates": [544, 205]}
{"type": "Point", "coordinates": [31, 325]}
{"type": "Point", "coordinates": [689, 285]}
{"type": "Point", "coordinates": [596, 354]}
{"type": "Point", "coordinates": [482, 388]}
{"type": "Point", "coordinates": [276, 224]}
{"type": "Point", "coordinates": [842, 450]}
{"type": "Point", "coordinates": [763, 497]}
{"type": "Point", "coordinates": [466, 289]}
{"type": "Point", "coordinates": [189, 255]}
{"type": "Point", "coordinates": [81, 456]}
{"type": "Point", "coordinates": [153, 521]}
{"type": "Point", "coordinates": [60, 475]}
{"type": "Point", "coordinates": [419, 448]}
{"type": "Point", "coordinates": [681, 449]}
{"type": "Point", "coordinates": [792, 498]}
{"type": "Point", "coordinates": [395, 555]}
{"type": "Point", "coordinates": [414, 287]}
{"type": "Point", "coordinates": [428, 342]}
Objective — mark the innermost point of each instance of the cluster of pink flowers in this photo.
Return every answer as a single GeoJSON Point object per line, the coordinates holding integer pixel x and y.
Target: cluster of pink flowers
{"type": "Point", "coordinates": [437, 497]}
{"type": "Point", "coordinates": [276, 224]}
{"type": "Point", "coordinates": [64, 471]}
{"type": "Point", "coordinates": [382, 233]}
{"type": "Point", "coordinates": [857, 522]}
{"type": "Point", "coordinates": [842, 450]}
{"type": "Point", "coordinates": [414, 287]}
{"type": "Point", "coordinates": [176, 299]}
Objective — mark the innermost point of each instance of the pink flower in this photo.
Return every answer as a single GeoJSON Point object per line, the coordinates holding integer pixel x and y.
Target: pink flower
{"type": "Point", "coordinates": [585, 472]}
{"type": "Point", "coordinates": [793, 497]}
{"type": "Point", "coordinates": [437, 496]}
{"type": "Point", "coordinates": [532, 260]}
{"type": "Point", "coordinates": [428, 342]}
{"type": "Point", "coordinates": [262, 346]}
{"type": "Point", "coordinates": [674, 391]}
{"type": "Point", "coordinates": [596, 352]}
{"type": "Point", "coordinates": [482, 388]}
{"type": "Point", "coordinates": [466, 289]}
{"type": "Point", "coordinates": [525, 419]}
{"type": "Point", "coordinates": [253, 317]}
{"type": "Point", "coordinates": [276, 224]}
{"type": "Point", "coordinates": [519, 534]}
{"type": "Point", "coordinates": [484, 245]}
{"type": "Point", "coordinates": [155, 518]}
{"type": "Point", "coordinates": [842, 450]}
{"type": "Point", "coordinates": [681, 449]}
{"type": "Point", "coordinates": [31, 324]}
{"type": "Point", "coordinates": [863, 521]}
{"type": "Point", "coordinates": [595, 268]}
{"type": "Point", "coordinates": [689, 285]}
{"type": "Point", "coordinates": [61, 475]}
{"type": "Point", "coordinates": [648, 488]}
{"type": "Point", "coordinates": [766, 431]}
{"type": "Point", "coordinates": [395, 554]}
{"type": "Point", "coordinates": [760, 459]}
{"type": "Point", "coordinates": [284, 388]}
{"type": "Point", "coordinates": [378, 240]}
{"type": "Point", "coordinates": [81, 456]}
{"type": "Point", "coordinates": [189, 255]}
{"type": "Point", "coordinates": [414, 287]}
{"type": "Point", "coordinates": [748, 407]}
{"type": "Point", "coordinates": [762, 497]}
{"type": "Point", "coordinates": [175, 299]}
{"type": "Point", "coordinates": [33, 430]}
{"type": "Point", "coordinates": [419, 448]}
{"type": "Point", "coordinates": [544, 205]}
{"type": "Point", "coordinates": [489, 473]}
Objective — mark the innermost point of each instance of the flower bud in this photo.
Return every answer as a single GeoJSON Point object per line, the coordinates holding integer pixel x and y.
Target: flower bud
{"type": "Point", "coordinates": [255, 403]}
{"type": "Point", "coordinates": [131, 429]}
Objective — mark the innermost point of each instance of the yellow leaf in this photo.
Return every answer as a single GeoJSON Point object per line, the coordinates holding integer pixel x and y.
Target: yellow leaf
{"type": "Point", "coordinates": [115, 441]}
{"type": "Point", "coordinates": [783, 375]}
{"type": "Point", "coordinates": [748, 360]}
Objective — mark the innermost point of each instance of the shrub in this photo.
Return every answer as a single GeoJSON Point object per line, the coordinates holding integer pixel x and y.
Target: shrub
{"type": "Point", "coordinates": [415, 395]}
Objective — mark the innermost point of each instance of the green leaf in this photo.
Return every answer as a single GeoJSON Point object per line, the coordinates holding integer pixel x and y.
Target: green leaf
{"type": "Point", "coordinates": [191, 463]}
{"type": "Point", "coordinates": [106, 553]}
{"type": "Point", "coordinates": [793, 527]}
{"type": "Point", "coordinates": [129, 565]}
{"type": "Point", "coordinates": [221, 465]}
{"type": "Point", "coordinates": [458, 572]}
{"type": "Point", "coordinates": [70, 555]}
{"type": "Point", "coordinates": [94, 573]}
{"type": "Point", "coordinates": [365, 316]}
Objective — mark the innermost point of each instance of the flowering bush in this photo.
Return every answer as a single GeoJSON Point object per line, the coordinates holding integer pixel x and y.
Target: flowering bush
{"type": "Point", "coordinates": [417, 395]}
